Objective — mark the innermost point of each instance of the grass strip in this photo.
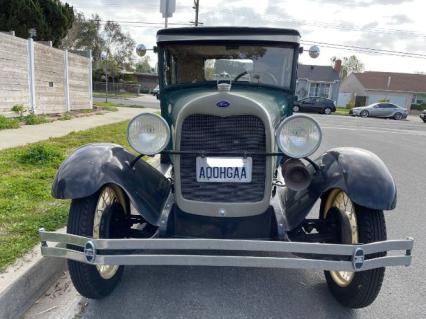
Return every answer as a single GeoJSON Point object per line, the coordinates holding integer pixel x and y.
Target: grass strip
{"type": "Point", "coordinates": [27, 174]}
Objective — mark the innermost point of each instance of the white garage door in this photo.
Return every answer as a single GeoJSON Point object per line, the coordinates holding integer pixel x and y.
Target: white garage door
{"type": "Point", "coordinates": [400, 100]}
{"type": "Point", "coordinates": [344, 98]}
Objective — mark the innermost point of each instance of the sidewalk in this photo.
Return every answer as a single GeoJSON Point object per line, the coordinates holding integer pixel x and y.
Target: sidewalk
{"type": "Point", "coordinates": [35, 133]}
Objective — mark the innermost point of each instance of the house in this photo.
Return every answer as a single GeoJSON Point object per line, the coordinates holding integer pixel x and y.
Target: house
{"type": "Point", "coordinates": [318, 80]}
{"type": "Point", "coordinates": [365, 88]}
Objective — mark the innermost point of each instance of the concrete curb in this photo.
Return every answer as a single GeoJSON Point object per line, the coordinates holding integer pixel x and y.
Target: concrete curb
{"type": "Point", "coordinates": [21, 293]}
{"type": "Point", "coordinates": [31, 276]}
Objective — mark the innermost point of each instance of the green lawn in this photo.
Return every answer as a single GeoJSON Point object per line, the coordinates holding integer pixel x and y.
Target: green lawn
{"type": "Point", "coordinates": [26, 177]}
{"type": "Point", "coordinates": [341, 111]}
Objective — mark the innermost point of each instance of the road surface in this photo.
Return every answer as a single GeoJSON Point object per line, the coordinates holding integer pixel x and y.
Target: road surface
{"type": "Point", "coordinates": [213, 292]}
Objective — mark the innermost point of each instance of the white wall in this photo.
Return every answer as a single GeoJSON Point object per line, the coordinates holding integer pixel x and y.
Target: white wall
{"type": "Point", "coordinates": [401, 99]}
{"type": "Point", "coordinates": [344, 98]}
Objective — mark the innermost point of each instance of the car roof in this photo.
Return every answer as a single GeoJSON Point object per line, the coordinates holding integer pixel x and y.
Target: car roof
{"type": "Point", "coordinates": [228, 33]}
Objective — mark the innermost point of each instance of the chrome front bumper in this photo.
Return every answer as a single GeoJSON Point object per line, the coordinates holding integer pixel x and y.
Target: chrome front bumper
{"type": "Point", "coordinates": [179, 252]}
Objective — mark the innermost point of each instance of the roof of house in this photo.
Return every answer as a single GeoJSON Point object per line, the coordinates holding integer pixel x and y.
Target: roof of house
{"type": "Point", "coordinates": [402, 82]}
{"type": "Point", "coordinates": [321, 73]}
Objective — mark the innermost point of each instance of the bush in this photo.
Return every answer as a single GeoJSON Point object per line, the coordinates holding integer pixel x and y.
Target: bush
{"type": "Point", "coordinates": [6, 123]}
{"type": "Point", "coordinates": [418, 107]}
{"type": "Point", "coordinates": [350, 105]}
{"type": "Point", "coordinates": [19, 109]}
{"type": "Point", "coordinates": [383, 100]}
{"type": "Point", "coordinates": [41, 155]}
{"type": "Point", "coordinates": [33, 119]}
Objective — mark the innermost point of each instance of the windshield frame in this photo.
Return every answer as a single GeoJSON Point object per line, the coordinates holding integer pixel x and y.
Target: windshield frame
{"type": "Point", "coordinates": [163, 47]}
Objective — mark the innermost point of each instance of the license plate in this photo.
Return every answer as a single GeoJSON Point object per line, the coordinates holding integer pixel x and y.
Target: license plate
{"type": "Point", "coordinates": [224, 169]}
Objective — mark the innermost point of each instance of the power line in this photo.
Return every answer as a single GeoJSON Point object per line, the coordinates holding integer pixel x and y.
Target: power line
{"type": "Point", "coordinates": [141, 23]}
{"type": "Point", "coordinates": [308, 42]}
{"type": "Point", "coordinates": [366, 49]}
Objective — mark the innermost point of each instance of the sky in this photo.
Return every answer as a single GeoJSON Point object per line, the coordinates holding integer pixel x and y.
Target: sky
{"type": "Point", "coordinates": [397, 25]}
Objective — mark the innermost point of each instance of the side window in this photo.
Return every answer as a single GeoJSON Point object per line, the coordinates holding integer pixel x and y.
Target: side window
{"type": "Point", "coordinates": [391, 106]}
{"type": "Point", "coordinates": [381, 106]}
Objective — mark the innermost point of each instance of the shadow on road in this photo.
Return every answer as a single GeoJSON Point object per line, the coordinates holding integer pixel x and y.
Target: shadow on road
{"type": "Point", "coordinates": [213, 292]}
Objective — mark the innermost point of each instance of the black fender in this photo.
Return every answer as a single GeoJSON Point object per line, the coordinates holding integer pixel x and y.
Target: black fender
{"type": "Point", "coordinates": [94, 165]}
{"type": "Point", "coordinates": [358, 172]}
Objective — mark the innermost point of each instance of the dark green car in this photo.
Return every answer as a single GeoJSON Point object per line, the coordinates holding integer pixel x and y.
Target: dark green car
{"type": "Point", "coordinates": [236, 183]}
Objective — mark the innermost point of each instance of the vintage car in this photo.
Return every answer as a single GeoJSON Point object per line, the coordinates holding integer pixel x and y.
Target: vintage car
{"type": "Point", "coordinates": [235, 185]}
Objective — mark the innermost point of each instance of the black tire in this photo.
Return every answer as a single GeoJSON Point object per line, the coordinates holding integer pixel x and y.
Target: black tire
{"type": "Point", "coordinates": [364, 113]}
{"type": "Point", "coordinates": [365, 285]}
{"type": "Point", "coordinates": [85, 277]}
{"type": "Point", "coordinates": [327, 111]}
{"type": "Point", "coordinates": [397, 116]}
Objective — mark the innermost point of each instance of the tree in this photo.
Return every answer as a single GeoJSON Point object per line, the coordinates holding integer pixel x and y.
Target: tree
{"type": "Point", "coordinates": [85, 35]}
{"type": "Point", "coordinates": [143, 65]}
{"type": "Point", "coordinates": [89, 34]}
{"type": "Point", "coordinates": [349, 64]}
{"type": "Point", "coordinates": [50, 18]}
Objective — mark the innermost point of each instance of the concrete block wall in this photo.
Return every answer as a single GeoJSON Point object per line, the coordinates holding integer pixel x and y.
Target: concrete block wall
{"type": "Point", "coordinates": [14, 88]}
{"type": "Point", "coordinates": [79, 81]}
{"type": "Point", "coordinates": [44, 79]}
{"type": "Point", "coordinates": [49, 79]}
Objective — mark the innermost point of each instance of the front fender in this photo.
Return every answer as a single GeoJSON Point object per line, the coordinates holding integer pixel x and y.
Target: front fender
{"type": "Point", "coordinates": [94, 165]}
{"type": "Point", "coordinates": [359, 173]}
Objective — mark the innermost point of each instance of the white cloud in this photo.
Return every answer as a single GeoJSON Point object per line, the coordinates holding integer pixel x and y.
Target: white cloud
{"type": "Point", "coordinates": [351, 22]}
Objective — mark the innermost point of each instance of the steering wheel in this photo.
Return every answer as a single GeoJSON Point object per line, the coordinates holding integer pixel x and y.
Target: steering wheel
{"type": "Point", "coordinates": [239, 76]}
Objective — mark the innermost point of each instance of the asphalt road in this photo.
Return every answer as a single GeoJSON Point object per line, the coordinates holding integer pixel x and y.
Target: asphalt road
{"type": "Point", "coordinates": [146, 100]}
{"type": "Point", "coordinates": [213, 292]}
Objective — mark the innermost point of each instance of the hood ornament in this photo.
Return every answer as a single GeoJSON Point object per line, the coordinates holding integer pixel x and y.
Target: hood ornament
{"type": "Point", "coordinates": [223, 86]}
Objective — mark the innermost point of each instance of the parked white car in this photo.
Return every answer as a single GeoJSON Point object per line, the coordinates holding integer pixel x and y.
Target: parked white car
{"type": "Point", "coordinates": [386, 110]}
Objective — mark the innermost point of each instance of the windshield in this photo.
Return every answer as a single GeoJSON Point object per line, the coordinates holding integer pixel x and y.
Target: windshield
{"type": "Point", "coordinates": [194, 63]}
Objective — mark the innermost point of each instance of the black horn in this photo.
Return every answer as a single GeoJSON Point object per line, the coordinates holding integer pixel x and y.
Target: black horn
{"type": "Point", "coordinates": [296, 175]}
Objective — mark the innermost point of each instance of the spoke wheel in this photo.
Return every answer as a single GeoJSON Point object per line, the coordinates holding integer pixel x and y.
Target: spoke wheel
{"type": "Point", "coordinates": [354, 224]}
{"type": "Point", "coordinates": [327, 111]}
{"type": "Point", "coordinates": [101, 215]}
{"type": "Point", "coordinates": [107, 210]}
{"type": "Point", "coordinates": [349, 229]}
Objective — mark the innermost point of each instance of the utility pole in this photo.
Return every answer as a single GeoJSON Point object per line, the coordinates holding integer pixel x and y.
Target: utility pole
{"type": "Point", "coordinates": [197, 8]}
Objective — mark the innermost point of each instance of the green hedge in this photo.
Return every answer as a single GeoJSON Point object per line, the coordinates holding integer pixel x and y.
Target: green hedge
{"type": "Point", "coordinates": [418, 107]}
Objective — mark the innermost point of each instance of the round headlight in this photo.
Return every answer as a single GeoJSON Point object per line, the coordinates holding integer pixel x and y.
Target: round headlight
{"type": "Point", "coordinates": [298, 136]}
{"type": "Point", "coordinates": [148, 133]}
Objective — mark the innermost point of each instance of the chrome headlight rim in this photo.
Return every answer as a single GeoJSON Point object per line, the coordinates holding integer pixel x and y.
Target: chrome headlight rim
{"type": "Point", "coordinates": [156, 116]}
{"type": "Point", "coordinates": [289, 119]}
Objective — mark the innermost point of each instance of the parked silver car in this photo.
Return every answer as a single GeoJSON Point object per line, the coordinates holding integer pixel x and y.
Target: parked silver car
{"type": "Point", "coordinates": [387, 110]}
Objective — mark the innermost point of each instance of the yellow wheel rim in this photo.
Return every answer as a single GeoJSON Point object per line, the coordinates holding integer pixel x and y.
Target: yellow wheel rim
{"type": "Point", "coordinates": [339, 199]}
{"type": "Point", "coordinates": [107, 197]}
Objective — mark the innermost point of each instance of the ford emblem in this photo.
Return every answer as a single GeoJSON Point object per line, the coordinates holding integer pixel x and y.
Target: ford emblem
{"type": "Point", "coordinates": [223, 104]}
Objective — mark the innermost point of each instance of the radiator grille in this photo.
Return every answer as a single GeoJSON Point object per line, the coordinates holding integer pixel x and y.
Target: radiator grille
{"type": "Point", "coordinates": [209, 133]}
